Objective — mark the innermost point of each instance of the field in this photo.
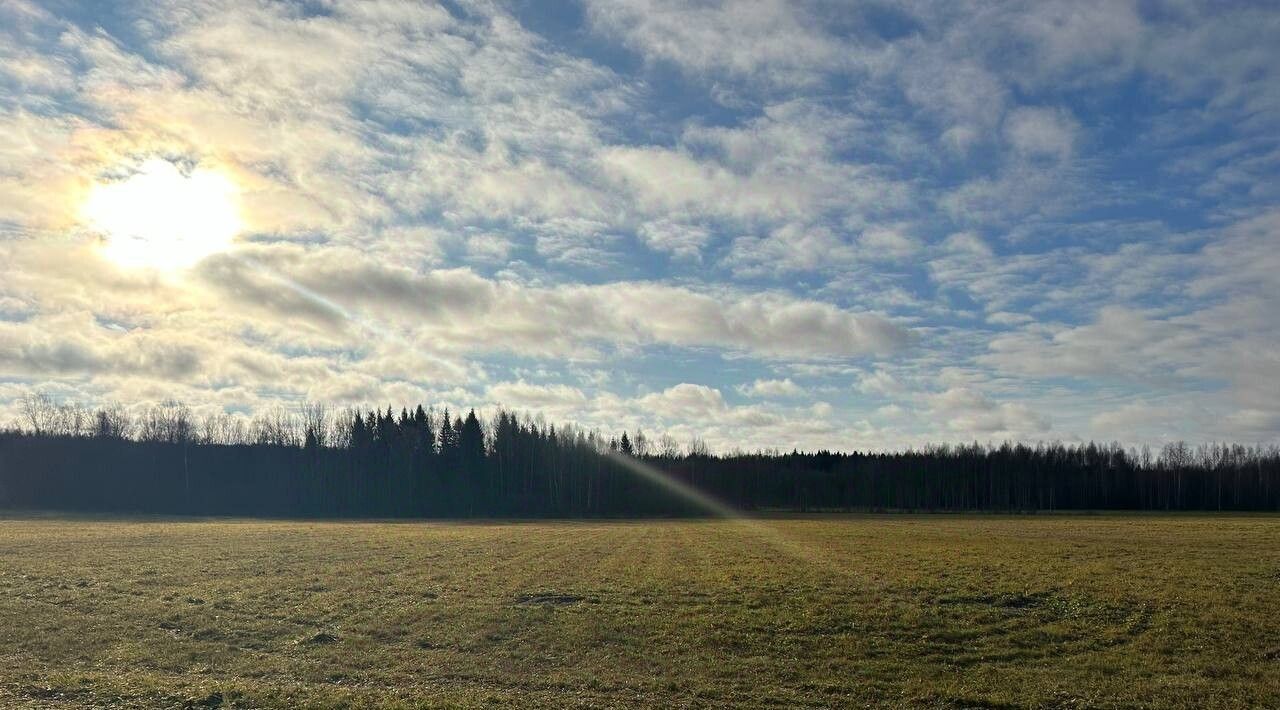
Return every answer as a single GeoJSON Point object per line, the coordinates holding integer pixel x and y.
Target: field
{"type": "Point", "coordinates": [879, 611]}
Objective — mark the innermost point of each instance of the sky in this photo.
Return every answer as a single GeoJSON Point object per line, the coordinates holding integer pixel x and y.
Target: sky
{"type": "Point", "coordinates": [845, 225]}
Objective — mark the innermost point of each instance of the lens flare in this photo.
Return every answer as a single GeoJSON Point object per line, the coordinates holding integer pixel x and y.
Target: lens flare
{"type": "Point", "coordinates": [767, 534]}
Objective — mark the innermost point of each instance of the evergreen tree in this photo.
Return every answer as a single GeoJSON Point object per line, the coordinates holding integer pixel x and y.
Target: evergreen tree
{"type": "Point", "coordinates": [416, 463]}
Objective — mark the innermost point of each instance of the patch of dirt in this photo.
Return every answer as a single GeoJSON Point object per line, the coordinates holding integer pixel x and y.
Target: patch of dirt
{"type": "Point", "coordinates": [1057, 606]}
{"type": "Point", "coordinates": [974, 703]}
{"type": "Point", "coordinates": [207, 635]}
{"type": "Point", "coordinates": [1003, 601]}
{"type": "Point", "coordinates": [548, 599]}
{"type": "Point", "coordinates": [212, 700]}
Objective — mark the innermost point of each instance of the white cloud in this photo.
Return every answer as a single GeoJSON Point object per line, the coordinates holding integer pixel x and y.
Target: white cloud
{"type": "Point", "coordinates": [522, 394]}
{"type": "Point", "coordinates": [683, 241]}
{"type": "Point", "coordinates": [1041, 132]}
{"type": "Point", "coordinates": [814, 168]}
{"type": "Point", "coordinates": [772, 389]}
{"type": "Point", "coordinates": [685, 401]}
{"type": "Point", "coordinates": [967, 243]}
{"type": "Point", "coordinates": [458, 309]}
{"type": "Point", "coordinates": [887, 244]}
{"type": "Point", "coordinates": [879, 382]}
{"type": "Point", "coordinates": [767, 39]}
{"type": "Point", "coordinates": [972, 413]}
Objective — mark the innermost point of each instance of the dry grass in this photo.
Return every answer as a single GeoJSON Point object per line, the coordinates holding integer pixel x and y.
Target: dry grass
{"type": "Point", "coordinates": [893, 611]}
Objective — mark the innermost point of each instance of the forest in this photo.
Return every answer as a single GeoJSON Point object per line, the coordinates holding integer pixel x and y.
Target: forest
{"type": "Point", "coordinates": [316, 461]}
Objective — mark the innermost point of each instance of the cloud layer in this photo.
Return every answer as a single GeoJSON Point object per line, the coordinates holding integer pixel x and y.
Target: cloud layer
{"type": "Point", "coordinates": [769, 223]}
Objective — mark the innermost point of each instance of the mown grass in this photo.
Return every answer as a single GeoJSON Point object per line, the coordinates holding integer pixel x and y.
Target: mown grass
{"type": "Point", "coordinates": [880, 611]}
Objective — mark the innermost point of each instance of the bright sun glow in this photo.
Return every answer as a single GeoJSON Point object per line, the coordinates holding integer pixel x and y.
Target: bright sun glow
{"type": "Point", "coordinates": [162, 219]}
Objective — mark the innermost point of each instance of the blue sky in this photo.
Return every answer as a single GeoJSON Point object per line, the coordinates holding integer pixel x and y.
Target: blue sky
{"type": "Point", "coordinates": [770, 224]}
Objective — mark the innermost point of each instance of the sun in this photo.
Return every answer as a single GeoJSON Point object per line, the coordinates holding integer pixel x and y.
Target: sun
{"type": "Point", "coordinates": [160, 217]}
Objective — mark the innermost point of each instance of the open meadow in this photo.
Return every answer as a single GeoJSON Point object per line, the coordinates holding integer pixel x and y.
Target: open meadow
{"type": "Point", "coordinates": [940, 611]}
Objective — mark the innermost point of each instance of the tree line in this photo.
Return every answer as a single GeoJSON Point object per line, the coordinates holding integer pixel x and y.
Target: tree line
{"type": "Point", "coordinates": [317, 461]}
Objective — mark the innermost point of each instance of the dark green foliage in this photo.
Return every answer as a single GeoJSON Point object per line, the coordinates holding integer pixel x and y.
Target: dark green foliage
{"type": "Point", "coordinates": [378, 463]}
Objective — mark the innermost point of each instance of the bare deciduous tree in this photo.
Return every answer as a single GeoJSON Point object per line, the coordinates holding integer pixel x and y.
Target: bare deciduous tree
{"type": "Point", "coordinates": [668, 447]}
{"type": "Point", "coordinates": [315, 423]}
{"type": "Point", "coordinates": [72, 419]}
{"type": "Point", "coordinates": [641, 444]}
{"type": "Point", "coordinates": [698, 447]}
{"type": "Point", "coordinates": [276, 427]}
{"type": "Point", "coordinates": [40, 412]}
{"type": "Point", "coordinates": [112, 421]}
{"type": "Point", "coordinates": [222, 429]}
{"type": "Point", "coordinates": [169, 422]}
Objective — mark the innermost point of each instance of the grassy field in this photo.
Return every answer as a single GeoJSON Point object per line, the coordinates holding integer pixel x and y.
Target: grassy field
{"type": "Point", "coordinates": [888, 611]}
